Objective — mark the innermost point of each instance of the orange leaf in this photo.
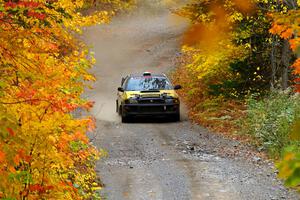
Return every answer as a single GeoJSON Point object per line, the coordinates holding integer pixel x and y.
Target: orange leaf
{"type": "Point", "coordinates": [294, 43]}
{"type": "Point", "coordinates": [2, 156]}
{"type": "Point", "coordinates": [12, 169]}
{"type": "Point", "coordinates": [287, 33]}
{"type": "Point", "coordinates": [17, 159]}
{"type": "Point", "coordinates": [296, 67]}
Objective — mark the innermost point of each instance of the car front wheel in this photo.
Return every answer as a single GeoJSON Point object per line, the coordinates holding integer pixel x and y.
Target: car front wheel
{"type": "Point", "coordinates": [125, 119]}
{"type": "Point", "coordinates": [176, 117]}
{"type": "Point", "coordinates": [117, 107]}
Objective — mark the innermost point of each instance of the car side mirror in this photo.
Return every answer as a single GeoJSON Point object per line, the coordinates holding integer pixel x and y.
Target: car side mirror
{"type": "Point", "coordinates": [123, 80]}
{"type": "Point", "coordinates": [120, 89]}
{"type": "Point", "coordinates": [177, 87]}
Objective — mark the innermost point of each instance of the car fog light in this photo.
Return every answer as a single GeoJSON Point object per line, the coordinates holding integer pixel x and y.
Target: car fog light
{"type": "Point", "coordinates": [171, 100]}
{"type": "Point", "coordinates": [133, 101]}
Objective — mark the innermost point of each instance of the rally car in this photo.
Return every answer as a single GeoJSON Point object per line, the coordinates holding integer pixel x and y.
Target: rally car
{"type": "Point", "coordinates": [147, 95]}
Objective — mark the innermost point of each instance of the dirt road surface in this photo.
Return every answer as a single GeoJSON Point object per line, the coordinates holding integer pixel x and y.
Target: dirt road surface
{"type": "Point", "coordinates": [156, 159]}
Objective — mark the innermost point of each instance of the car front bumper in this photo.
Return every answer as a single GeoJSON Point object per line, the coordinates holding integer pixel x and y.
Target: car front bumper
{"type": "Point", "coordinates": [150, 109]}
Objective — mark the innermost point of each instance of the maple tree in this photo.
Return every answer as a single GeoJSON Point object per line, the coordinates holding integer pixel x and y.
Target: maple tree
{"type": "Point", "coordinates": [44, 150]}
{"type": "Point", "coordinates": [286, 25]}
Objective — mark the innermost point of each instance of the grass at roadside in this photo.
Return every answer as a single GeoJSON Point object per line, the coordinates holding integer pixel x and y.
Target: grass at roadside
{"type": "Point", "coordinates": [270, 120]}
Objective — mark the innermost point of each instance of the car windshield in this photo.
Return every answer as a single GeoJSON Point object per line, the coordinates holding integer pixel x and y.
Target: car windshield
{"type": "Point", "coordinates": [147, 83]}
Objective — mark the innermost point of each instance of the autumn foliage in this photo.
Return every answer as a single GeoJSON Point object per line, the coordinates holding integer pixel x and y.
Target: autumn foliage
{"type": "Point", "coordinates": [234, 49]}
{"type": "Point", "coordinates": [44, 150]}
{"type": "Point", "coordinates": [240, 71]}
{"type": "Point", "coordinates": [286, 25]}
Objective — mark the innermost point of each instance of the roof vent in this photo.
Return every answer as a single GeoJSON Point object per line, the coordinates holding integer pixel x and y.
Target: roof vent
{"type": "Point", "coordinates": [147, 74]}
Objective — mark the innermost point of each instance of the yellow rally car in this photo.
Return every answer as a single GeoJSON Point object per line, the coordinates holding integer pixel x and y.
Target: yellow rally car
{"type": "Point", "coordinates": [147, 95]}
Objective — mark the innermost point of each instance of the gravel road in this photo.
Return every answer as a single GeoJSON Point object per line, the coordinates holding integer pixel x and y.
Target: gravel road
{"type": "Point", "coordinates": [154, 158]}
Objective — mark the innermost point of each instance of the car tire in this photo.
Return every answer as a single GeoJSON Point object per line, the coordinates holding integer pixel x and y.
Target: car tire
{"type": "Point", "coordinates": [120, 110]}
{"type": "Point", "coordinates": [176, 117]}
{"type": "Point", "coordinates": [125, 119]}
{"type": "Point", "coordinates": [117, 107]}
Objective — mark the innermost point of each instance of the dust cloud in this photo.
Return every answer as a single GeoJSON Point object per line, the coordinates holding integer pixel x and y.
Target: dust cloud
{"type": "Point", "coordinates": [141, 40]}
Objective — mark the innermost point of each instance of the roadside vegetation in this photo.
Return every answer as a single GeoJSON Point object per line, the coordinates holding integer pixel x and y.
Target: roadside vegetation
{"type": "Point", "coordinates": [240, 73]}
{"type": "Point", "coordinates": [44, 150]}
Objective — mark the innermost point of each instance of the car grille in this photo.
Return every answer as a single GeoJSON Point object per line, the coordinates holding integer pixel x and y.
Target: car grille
{"type": "Point", "coordinates": [152, 108]}
{"type": "Point", "coordinates": [150, 95]}
{"type": "Point", "coordinates": [151, 101]}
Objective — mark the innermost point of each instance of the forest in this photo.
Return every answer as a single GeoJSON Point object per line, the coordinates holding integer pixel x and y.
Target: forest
{"type": "Point", "coordinates": [239, 68]}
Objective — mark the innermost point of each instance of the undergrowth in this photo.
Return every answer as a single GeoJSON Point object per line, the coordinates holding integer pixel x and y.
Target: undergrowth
{"type": "Point", "coordinates": [271, 119]}
{"type": "Point", "coordinates": [265, 122]}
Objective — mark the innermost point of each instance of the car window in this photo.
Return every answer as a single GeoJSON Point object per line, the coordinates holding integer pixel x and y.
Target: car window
{"type": "Point", "coordinates": [146, 83]}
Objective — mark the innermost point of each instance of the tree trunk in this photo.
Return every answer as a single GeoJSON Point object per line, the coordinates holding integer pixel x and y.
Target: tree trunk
{"type": "Point", "coordinates": [285, 60]}
{"type": "Point", "coordinates": [273, 63]}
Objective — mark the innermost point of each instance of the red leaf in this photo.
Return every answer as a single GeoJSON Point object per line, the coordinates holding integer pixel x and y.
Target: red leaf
{"type": "Point", "coordinates": [36, 187]}
{"type": "Point", "coordinates": [11, 132]}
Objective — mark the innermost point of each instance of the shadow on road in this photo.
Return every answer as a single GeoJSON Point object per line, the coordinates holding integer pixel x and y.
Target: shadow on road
{"type": "Point", "coordinates": [151, 120]}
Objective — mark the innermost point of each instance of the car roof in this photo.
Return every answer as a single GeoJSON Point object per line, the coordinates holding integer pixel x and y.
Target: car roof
{"type": "Point", "coordinates": [141, 75]}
